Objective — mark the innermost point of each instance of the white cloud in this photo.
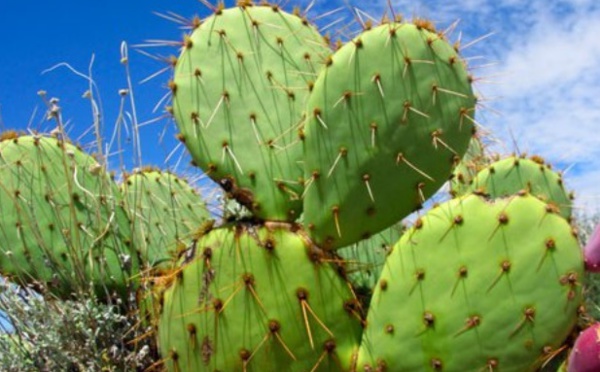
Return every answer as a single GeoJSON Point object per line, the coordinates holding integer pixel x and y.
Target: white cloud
{"type": "Point", "coordinates": [556, 52]}
{"type": "Point", "coordinates": [549, 85]}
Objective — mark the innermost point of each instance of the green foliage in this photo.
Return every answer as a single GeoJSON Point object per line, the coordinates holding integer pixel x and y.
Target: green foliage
{"type": "Point", "coordinates": [164, 210]}
{"type": "Point", "coordinates": [513, 174]}
{"type": "Point", "coordinates": [461, 290]}
{"type": "Point", "coordinates": [319, 154]}
{"type": "Point", "coordinates": [387, 117]}
{"type": "Point", "coordinates": [61, 223]}
{"type": "Point", "coordinates": [238, 98]}
{"type": "Point", "coordinates": [247, 297]}
{"type": "Point", "coordinates": [82, 335]}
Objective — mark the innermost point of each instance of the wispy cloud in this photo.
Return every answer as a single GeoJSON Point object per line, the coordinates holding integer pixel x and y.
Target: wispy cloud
{"type": "Point", "coordinates": [548, 90]}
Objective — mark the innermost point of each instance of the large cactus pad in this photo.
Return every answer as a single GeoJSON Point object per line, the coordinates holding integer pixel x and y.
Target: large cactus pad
{"type": "Point", "coordinates": [239, 92]}
{"type": "Point", "coordinates": [61, 221]}
{"type": "Point", "coordinates": [476, 286]}
{"type": "Point", "coordinates": [387, 118]}
{"type": "Point", "coordinates": [254, 298]}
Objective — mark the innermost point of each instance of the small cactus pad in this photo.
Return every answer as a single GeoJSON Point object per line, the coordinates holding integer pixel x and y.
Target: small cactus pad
{"type": "Point", "coordinates": [258, 298]}
{"type": "Point", "coordinates": [513, 174]}
{"type": "Point", "coordinates": [164, 210]}
{"type": "Point", "coordinates": [62, 226]}
{"type": "Point", "coordinates": [387, 118]}
{"type": "Point", "coordinates": [239, 91]}
{"type": "Point", "coordinates": [476, 285]}
{"type": "Point", "coordinates": [472, 163]}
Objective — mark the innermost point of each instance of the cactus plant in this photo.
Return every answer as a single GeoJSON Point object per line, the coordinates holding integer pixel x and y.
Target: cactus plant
{"type": "Point", "coordinates": [438, 295]}
{"type": "Point", "coordinates": [165, 210]}
{"type": "Point", "coordinates": [512, 174]}
{"type": "Point", "coordinates": [240, 117]}
{"type": "Point", "coordinates": [249, 296]}
{"type": "Point", "coordinates": [61, 220]}
{"type": "Point", "coordinates": [410, 133]}
{"type": "Point", "coordinates": [324, 148]}
{"type": "Point", "coordinates": [386, 117]}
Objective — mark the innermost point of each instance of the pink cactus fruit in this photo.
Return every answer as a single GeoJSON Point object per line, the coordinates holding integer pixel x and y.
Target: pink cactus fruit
{"type": "Point", "coordinates": [585, 356]}
{"type": "Point", "coordinates": [592, 252]}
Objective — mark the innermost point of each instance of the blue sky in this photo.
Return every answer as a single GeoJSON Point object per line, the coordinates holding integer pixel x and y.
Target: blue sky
{"type": "Point", "coordinates": [37, 37]}
{"type": "Point", "coordinates": [538, 73]}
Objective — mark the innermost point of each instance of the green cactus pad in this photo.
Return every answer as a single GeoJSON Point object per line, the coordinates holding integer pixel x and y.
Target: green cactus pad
{"type": "Point", "coordinates": [513, 174]}
{"type": "Point", "coordinates": [258, 298]}
{"type": "Point", "coordinates": [387, 118]}
{"type": "Point", "coordinates": [476, 286]}
{"type": "Point", "coordinates": [239, 91]}
{"type": "Point", "coordinates": [472, 163]}
{"type": "Point", "coordinates": [164, 210]}
{"type": "Point", "coordinates": [61, 220]}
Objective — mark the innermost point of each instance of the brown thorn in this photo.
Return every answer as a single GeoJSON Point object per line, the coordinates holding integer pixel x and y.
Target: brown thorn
{"type": "Point", "coordinates": [462, 274]}
{"type": "Point", "coordinates": [302, 296]}
{"type": "Point", "coordinates": [504, 268]}
{"type": "Point", "coordinates": [528, 316]}
{"type": "Point", "coordinates": [319, 361]}
{"type": "Point", "coordinates": [317, 318]}
{"type": "Point", "coordinates": [435, 135]}
{"type": "Point", "coordinates": [249, 283]}
{"type": "Point", "coordinates": [400, 158]}
{"type": "Point", "coordinates": [342, 153]}
{"type": "Point", "coordinates": [377, 80]}
{"type": "Point", "coordinates": [419, 276]}
{"type": "Point", "coordinates": [366, 178]}
{"type": "Point", "coordinates": [470, 323]}
{"type": "Point", "coordinates": [502, 220]}
{"type": "Point", "coordinates": [336, 217]}
{"type": "Point", "coordinates": [373, 127]}
{"type": "Point", "coordinates": [285, 347]}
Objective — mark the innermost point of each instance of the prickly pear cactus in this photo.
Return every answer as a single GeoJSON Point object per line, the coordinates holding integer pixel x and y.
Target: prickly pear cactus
{"type": "Point", "coordinates": [354, 140]}
{"type": "Point", "coordinates": [164, 210]}
{"type": "Point", "coordinates": [62, 224]}
{"type": "Point", "coordinates": [513, 174]}
{"type": "Point", "coordinates": [250, 297]}
{"type": "Point", "coordinates": [387, 117]}
{"type": "Point", "coordinates": [476, 285]}
{"type": "Point", "coordinates": [239, 90]}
